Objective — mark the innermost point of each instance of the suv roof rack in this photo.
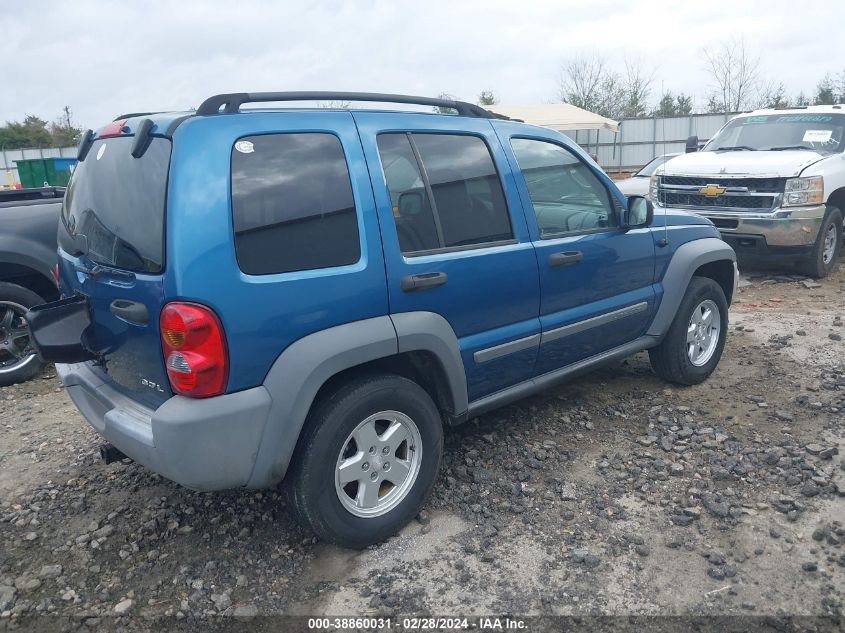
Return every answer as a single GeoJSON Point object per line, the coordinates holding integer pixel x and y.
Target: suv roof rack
{"type": "Point", "coordinates": [231, 103]}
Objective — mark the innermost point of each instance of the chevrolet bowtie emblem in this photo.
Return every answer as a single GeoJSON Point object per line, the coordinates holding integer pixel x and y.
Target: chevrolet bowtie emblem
{"type": "Point", "coordinates": [711, 191]}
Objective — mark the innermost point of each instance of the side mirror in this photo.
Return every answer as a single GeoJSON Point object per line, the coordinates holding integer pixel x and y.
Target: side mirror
{"type": "Point", "coordinates": [692, 144]}
{"type": "Point", "coordinates": [640, 213]}
{"type": "Point", "coordinates": [410, 203]}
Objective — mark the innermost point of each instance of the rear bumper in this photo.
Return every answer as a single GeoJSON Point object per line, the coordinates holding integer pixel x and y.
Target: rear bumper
{"type": "Point", "coordinates": [204, 444]}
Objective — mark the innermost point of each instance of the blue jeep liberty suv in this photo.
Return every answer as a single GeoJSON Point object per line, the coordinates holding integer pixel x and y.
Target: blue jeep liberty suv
{"type": "Point", "coordinates": [311, 294]}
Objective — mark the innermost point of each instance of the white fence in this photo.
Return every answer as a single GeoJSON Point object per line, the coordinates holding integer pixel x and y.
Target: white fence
{"type": "Point", "coordinates": [8, 170]}
{"type": "Point", "coordinates": [640, 140]}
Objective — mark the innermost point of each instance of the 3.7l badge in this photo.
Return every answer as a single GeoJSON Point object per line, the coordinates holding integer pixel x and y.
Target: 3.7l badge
{"type": "Point", "coordinates": [152, 385]}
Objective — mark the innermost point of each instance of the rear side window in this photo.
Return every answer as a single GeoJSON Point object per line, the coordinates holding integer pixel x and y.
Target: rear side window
{"type": "Point", "coordinates": [117, 202]}
{"type": "Point", "coordinates": [445, 191]}
{"type": "Point", "coordinates": [292, 204]}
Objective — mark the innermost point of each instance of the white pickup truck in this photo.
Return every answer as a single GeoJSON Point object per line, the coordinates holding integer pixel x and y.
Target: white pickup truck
{"type": "Point", "coordinates": [773, 183]}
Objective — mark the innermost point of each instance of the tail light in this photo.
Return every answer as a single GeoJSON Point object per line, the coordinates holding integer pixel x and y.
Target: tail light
{"type": "Point", "coordinates": [194, 347]}
{"type": "Point", "coordinates": [56, 275]}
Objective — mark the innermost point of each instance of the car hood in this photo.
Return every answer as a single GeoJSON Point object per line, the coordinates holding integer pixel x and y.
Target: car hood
{"type": "Point", "coordinates": [636, 186]}
{"type": "Point", "coordinates": [742, 163]}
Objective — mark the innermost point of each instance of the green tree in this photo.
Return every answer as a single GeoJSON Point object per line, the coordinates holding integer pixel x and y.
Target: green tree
{"type": "Point", "coordinates": [32, 132]}
{"type": "Point", "coordinates": [63, 132]}
{"type": "Point", "coordinates": [826, 91]}
{"type": "Point", "coordinates": [487, 98]}
{"type": "Point", "coordinates": [673, 105]}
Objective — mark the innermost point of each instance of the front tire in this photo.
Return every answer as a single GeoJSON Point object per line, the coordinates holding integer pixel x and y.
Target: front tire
{"type": "Point", "coordinates": [18, 362]}
{"type": "Point", "coordinates": [827, 246]}
{"type": "Point", "coordinates": [692, 347]}
{"type": "Point", "coordinates": [368, 460]}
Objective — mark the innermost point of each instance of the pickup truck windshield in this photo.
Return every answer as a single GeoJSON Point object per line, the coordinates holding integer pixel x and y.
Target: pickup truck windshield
{"type": "Point", "coordinates": [789, 131]}
{"type": "Point", "coordinates": [117, 202]}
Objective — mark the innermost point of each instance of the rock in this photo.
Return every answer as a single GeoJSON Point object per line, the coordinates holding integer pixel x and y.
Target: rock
{"type": "Point", "coordinates": [716, 508]}
{"type": "Point", "coordinates": [7, 597]}
{"type": "Point", "coordinates": [809, 489]}
{"type": "Point", "coordinates": [424, 517]}
{"type": "Point", "coordinates": [246, 611]}
{"type": "Point", "coordinates": [814, 449]}
{"type": "Point", "coordinates": [241, 580]}
{"type": "Point", "coordinates": [23, 583]}
{"type": "Point", "coordinates": [221, 600]}
{"type": "Point", "coordinates": [591, 560]}
{"type": "Point", "coordinates": [809, 566]}
{"type": "Point", "coordinates": [833, 336]}
{"type": "Point", "coordinates": [103, 532]}
{"type": "Point", "coordinates": [810, 284]}
{"type": "Point", "coordinates": [579, 554]}
{"type": "Point", "coordinates": [828, 453]}
{"type": "Point", "coordinates": [643, 550]}
{"type": "Point", "coordinates": [716, 572]}
{"type": "Point", "coordinates": [50, 571]}
{"type": "Point", "coordinates": [123, 606]}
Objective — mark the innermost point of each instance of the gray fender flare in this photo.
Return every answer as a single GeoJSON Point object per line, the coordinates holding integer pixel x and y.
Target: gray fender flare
{"type": "Point", "coordinates": [304, 367]}
{"type": "Point", "coordinates": [686, 260]}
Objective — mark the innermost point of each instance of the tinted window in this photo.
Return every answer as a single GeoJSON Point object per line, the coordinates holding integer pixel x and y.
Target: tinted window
{"type": "Point", "coordinates": [412, 212]}
{"type": "Point", "coordinates": [292, 204]}
{"type": "Point", "coordinates": [469, 204]}
{"type": "Point", "coordinates": [467, 192]}
{"type": "Point", "coordinates": [117, 202]}
{"type": "Point", "coordinates": [567, 196]}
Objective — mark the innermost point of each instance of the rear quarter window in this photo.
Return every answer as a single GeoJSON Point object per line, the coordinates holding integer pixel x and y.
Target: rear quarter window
{"type": "Point", "coordinates": [292, 204]}
{"type": "Point", "coordinates": [118, 202]}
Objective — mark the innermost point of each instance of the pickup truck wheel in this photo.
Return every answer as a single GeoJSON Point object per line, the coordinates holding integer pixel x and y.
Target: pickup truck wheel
{"type": "Point", "coordinates": [693, 345]}
{"type": "Point", "coordinates": [367, 461]}
{"type": "Point", "coordinates": [18, 361]}
{"type": "Point", "coordinates": [827, 247]}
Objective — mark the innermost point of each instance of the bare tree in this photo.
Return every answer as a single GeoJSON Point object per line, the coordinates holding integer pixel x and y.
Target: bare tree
{"type": "Point", "coordinates": [581, 81]}
{"type": "Point", "coordinates": [637, 88]}
{"type": "Point", "coordinates": [587, 81]}
{"type": "Point", "coordinates": [773, 95]}
{"type": "Point", "coordinates": [735, 74]}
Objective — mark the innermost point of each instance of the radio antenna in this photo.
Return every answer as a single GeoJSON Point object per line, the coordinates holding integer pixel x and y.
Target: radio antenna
{"type": "Point", "coordinates": [665, 240]}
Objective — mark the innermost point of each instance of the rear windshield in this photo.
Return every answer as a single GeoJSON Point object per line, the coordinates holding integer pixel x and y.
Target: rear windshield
{"type": "Point", "coordinates": [117, 202]}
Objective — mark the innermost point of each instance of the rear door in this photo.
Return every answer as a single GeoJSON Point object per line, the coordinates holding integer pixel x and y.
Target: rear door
{"type": "Point", "coordinates": [111, 249]}
{"type": "Point", "coordinates": [455, 238]}
{"type": "Point", "coordinates": [595, 277]}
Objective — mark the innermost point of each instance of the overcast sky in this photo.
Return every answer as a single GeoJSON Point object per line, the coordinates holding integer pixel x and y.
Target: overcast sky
{"type": "Point", "coordinates": [106, 58]}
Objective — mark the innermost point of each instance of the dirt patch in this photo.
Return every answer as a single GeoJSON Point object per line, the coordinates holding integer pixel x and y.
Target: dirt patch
{"type": "Point", "coordinates": [613, 495]}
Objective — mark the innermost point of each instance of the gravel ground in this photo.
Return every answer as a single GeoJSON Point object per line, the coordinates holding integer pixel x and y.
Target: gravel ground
{"type": "Point", "coordinates": [613, 495]}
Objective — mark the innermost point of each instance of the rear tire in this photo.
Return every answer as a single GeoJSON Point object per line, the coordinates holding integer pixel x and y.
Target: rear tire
{"type": "Point", "coordinates": [692, 347]}
{"type": "Point", "coordinates": [828, 244]}
{"type": "Point", "coordinates": [347, 452]}
{"type": "Point", "coordinates": [14, 302]}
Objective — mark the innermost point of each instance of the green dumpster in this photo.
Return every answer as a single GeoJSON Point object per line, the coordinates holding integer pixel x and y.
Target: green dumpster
{"type": "Point", "coordinates": [35, 172]}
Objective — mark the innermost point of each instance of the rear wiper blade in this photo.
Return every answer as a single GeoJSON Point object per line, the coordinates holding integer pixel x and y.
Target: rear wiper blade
{"type": "Point", "coordinates": [785, 147]}
{"type": "Point", "coordinates": [736, 148]}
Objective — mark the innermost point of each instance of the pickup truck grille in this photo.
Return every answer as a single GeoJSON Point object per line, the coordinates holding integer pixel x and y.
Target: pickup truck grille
{"type": "Point", "coordinates": [740, 194]}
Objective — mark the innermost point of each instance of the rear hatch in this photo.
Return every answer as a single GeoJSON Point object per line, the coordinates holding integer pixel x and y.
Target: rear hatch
{"type": "Point", "coordinates": [111, 250]}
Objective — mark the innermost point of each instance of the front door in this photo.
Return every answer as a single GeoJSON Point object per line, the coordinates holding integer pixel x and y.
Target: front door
{"type": "Point", "coordinates": [595, 277]}
{"type": "Point", "coordinates": [455, 239]}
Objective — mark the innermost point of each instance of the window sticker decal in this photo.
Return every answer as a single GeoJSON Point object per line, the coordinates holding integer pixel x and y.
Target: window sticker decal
{"type": "Point", "coordinates": [817, 136]}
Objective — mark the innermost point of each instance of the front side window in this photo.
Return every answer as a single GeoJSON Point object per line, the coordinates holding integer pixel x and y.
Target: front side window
{"type": "Point", "coordinates": [444, 190]}
{"type": "Point", "coordinates": [292, 204]}
{"type": "Point", "coordinates": [567, 196]}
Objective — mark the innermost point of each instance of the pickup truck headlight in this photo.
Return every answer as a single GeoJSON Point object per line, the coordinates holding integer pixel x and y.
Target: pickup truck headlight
{"type": "Point", "coordinates": [652, 188]}
{"type": "Point", "coordinates": [800, 191]}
